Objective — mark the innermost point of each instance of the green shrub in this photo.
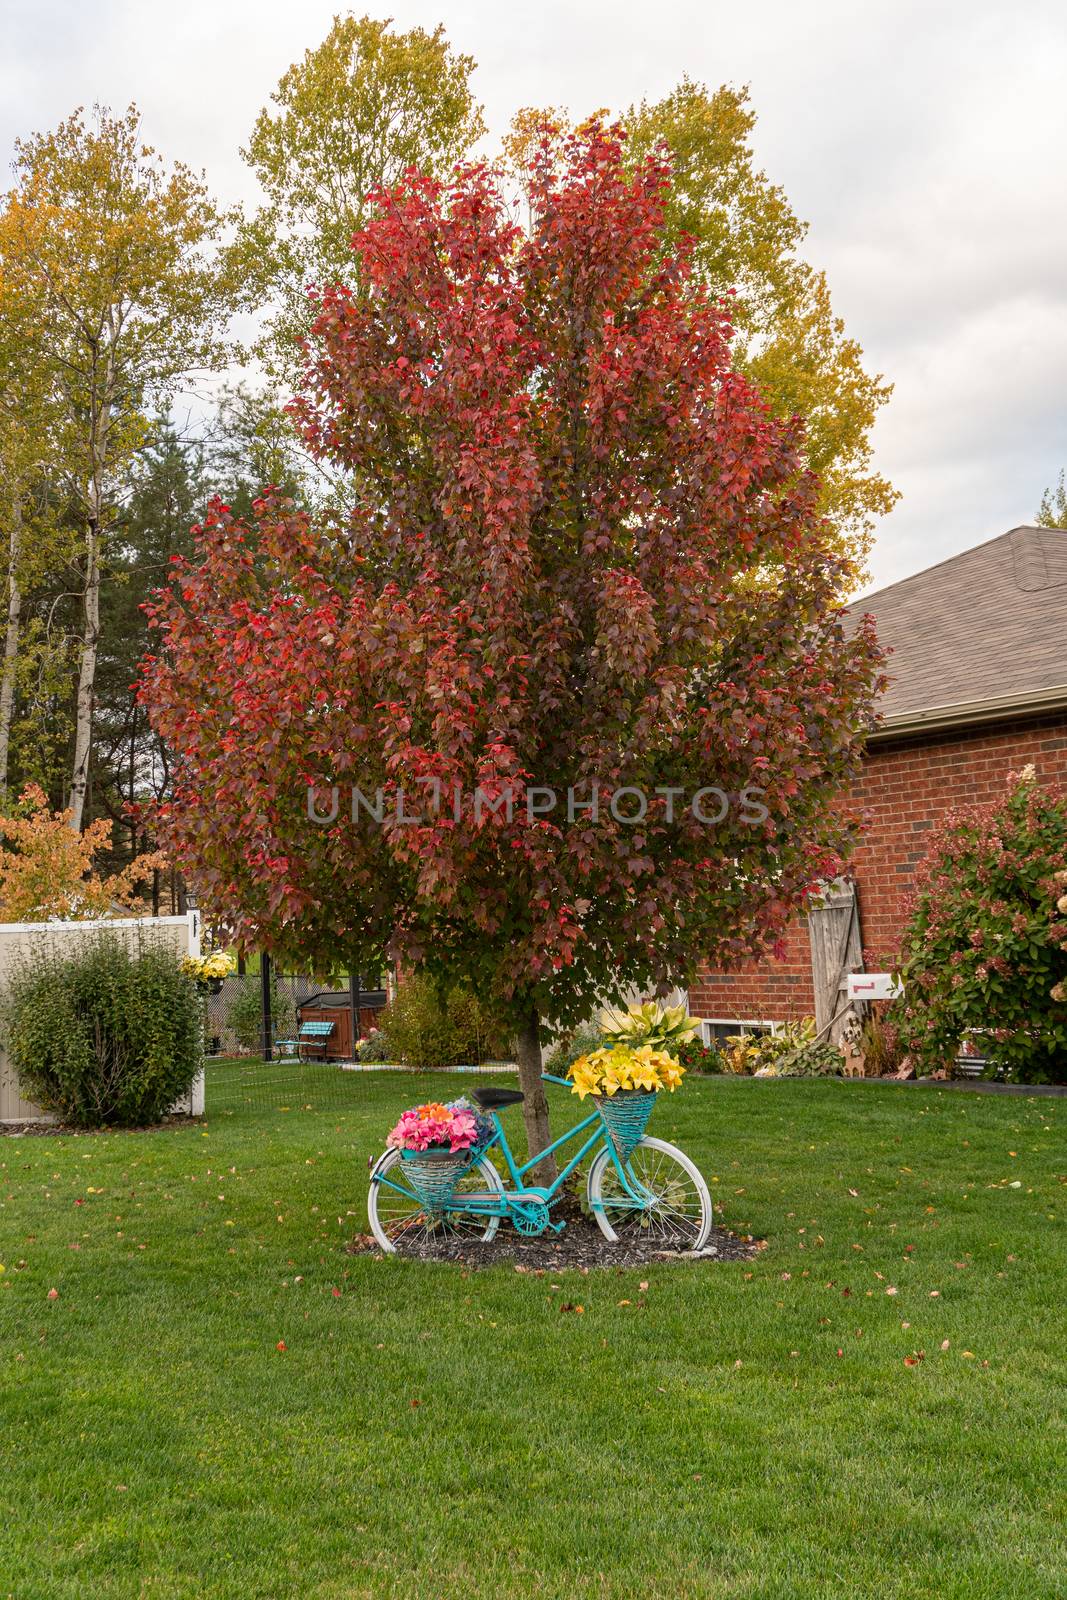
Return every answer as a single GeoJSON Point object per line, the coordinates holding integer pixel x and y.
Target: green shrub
{"type": "Point", "coordinates": [565, 1051]}
{"type": "Point", "coordinates": [373, 1047]}
{"type": "Point", "coordinates": [427, 1027]}
{"type": "Point", "coordinates": [244, 1016]}
{"type": "Point", "coordinates": [984, 954]}
{"type": "Point", "coordinates": [104, 1036]}
{"type": "Point", "coordinates": [821, 1059]}
{"type": "Point", "coordinates": [792, 1052]}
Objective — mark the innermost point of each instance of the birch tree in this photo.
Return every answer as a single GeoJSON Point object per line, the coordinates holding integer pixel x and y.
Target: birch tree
{"type": "Point", "coordinates": [26, 525]}
{"type": "Point", "coordinates": [120, 254]}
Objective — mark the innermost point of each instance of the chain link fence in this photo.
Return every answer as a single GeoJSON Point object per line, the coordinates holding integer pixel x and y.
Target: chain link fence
{"type": "Point", "coordinates": [239, 1081]}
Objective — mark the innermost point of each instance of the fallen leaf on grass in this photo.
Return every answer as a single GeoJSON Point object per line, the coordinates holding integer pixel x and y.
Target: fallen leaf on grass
{"type": "Point", "coordinates": [336, 1293]}
{"type": "Point", "coordinates": [568, 1305]}
{"type": "Point", "coordinates": [643, 1286]}
{"type": "Point", "coordinates": [891, 1289]}
{"type": "Point", "coordinates": [968, 1355]}
{"type": "Point", "coordinates": [281, 1345]}
{"type": "Point", "coordinates": [53, 1294]}
{"type": "Point", "coordinates": [944, 1344]}
{"type": "Point", "coordinates": [914, 1359]}
{"type": "Point", "coordinates": [622, 1302]}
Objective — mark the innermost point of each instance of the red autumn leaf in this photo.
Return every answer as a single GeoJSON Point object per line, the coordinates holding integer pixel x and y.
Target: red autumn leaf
{"type": "Point", "coordinates": [581, 550]}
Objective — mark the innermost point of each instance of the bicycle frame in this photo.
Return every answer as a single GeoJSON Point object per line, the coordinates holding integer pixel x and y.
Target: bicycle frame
{"type": "Point", "coordinates": [492, 1205]}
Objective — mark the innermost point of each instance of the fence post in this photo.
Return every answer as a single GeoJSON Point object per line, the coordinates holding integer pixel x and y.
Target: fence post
{"type": "Point", "coordinates": [268, 1021]}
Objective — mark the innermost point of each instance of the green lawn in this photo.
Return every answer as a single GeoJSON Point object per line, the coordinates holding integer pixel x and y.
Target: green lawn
{"type": "Point", "coordinates": [746, 1430]}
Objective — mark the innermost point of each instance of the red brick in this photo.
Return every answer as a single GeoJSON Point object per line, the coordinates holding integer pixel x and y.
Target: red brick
{"type": "Point", "coordinates": [906, 787]}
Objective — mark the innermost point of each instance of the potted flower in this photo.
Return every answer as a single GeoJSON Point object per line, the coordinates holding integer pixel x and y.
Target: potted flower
{"type": "Point", "coordinates": [208, 972]}
{"type": "Point", "coordinates": [435, 1142]}
{"type": "Point", "coordinates": [624, 1081]}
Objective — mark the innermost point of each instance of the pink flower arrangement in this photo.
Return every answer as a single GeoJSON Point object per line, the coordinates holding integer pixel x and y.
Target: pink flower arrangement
{"type": "Point", "coordinates": [434, 1127]}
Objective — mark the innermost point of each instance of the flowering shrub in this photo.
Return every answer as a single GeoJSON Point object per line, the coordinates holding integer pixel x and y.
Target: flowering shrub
{"type": "Point", "coordinates": [696, 1056]}
{"type": "Point", "coordinates": [373, 1047]}
{"type": "Point", "coordinates": [985, 950]}
{"type": "Point", "coordinates": [605, 1072]}
{"type": "Point", "coordinates": [435, 1127]}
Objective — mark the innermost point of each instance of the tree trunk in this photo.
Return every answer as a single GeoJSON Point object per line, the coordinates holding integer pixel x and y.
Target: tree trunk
{"type": "Point", "coordinates": [83, 725]}
{"type": "Point", "coordinates": [99, 429]}
{"type": "Point", "coordinates": [535, 1106]}
{"type": "Point", "coordinates": [11, 643]}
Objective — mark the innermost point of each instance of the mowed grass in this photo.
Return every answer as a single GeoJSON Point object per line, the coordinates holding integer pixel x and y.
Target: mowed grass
{"type": "Point", "coordinates": [744, 1430]}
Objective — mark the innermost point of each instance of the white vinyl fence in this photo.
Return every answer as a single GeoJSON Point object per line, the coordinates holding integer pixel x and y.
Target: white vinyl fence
{"type": "Point", "coordinates": [20, 941]}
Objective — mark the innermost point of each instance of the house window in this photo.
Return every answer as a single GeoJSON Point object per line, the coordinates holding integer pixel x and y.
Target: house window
{"type": "Point", "coordinates": [717, 1030]}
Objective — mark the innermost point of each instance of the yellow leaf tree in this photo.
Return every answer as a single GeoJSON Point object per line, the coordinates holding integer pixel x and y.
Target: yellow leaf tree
{"type": "Point", "coordinates": [118, 254]}
{"type": "Point", "coordinates": [746, 242]}
{"type": "Point", "coordinates": [350, 117]}
{"type": "Point", "coordinates": [47, 868]}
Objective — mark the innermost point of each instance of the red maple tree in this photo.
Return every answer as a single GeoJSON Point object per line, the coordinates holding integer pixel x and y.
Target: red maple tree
{"type": "Point", "coordinates": [579, 551]}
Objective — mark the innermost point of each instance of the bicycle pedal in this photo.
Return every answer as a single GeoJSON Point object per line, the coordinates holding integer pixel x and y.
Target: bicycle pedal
{"type": "Point", "coordinates": [557, 1227]}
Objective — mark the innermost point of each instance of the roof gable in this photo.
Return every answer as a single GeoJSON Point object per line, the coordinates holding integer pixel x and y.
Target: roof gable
{"type": "Point", "coordinates": [989, 625]}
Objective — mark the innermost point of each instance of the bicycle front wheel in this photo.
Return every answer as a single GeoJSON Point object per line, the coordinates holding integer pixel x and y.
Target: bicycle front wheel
{"type": "Point", "coordinates": [670, 1207]}
{"type": "Point", "coordinates": [399, 1220]}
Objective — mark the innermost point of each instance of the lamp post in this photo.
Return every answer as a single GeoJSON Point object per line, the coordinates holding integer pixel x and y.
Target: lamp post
{"type": "Point", "coordinates": [353, 1005]}
{"type": "Point", "coordinates": [268, 1020]}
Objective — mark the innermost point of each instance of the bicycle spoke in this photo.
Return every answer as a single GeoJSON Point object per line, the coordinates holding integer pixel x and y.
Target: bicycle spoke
{"type": "Point", "coordinates": [409, 1225]}
{"type": "Point", "coordinates": [668, 1210]}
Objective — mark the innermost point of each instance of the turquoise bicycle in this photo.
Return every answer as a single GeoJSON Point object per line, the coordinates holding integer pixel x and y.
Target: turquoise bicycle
{"type": "Point", "coordinates": [638, 1188]}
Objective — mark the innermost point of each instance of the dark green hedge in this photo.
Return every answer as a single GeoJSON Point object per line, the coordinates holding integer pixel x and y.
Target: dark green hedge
{"type": "Point", "coordinates": [104, 1036]}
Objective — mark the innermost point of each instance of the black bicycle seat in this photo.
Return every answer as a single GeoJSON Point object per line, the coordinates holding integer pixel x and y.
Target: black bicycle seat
{"type": "Point", "coordinates": [497, 1099]}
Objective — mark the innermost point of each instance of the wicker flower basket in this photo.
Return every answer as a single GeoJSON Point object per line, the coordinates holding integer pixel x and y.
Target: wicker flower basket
{"type": "Point", "coordinates": [433, 1174]}
{"type": "Point", "coordinates": [625, 1115]}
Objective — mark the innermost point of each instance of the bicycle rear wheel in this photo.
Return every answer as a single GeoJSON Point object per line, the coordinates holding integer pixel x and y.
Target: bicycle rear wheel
{"type": "Point", "coordinates": [400, 1220]}
{"type": "Point", "coordinates": [673, 1208]}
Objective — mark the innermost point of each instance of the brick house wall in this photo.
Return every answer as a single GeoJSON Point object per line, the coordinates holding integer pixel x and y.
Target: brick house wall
{"type": "Point", "coordinates": [906, 787]}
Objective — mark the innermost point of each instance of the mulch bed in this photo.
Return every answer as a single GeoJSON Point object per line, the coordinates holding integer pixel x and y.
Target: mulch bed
{"type": "Point", "coordinates": [580, 1247]}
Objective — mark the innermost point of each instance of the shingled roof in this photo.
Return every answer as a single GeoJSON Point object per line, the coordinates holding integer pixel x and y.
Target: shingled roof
{"type": "Point", "coordinates": [979, 636]}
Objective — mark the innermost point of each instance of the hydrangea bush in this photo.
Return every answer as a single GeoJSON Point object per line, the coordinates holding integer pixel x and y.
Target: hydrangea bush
{"type": "Point", "coordinates": [985, 950]}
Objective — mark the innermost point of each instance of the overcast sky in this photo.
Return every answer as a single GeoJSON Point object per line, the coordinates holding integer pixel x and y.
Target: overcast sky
{"type": "Point", "coordinates": [925, 143]}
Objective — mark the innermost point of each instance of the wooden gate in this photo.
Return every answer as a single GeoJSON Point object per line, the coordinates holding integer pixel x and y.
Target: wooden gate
{"type": "Point", "coordinates": [836, 950]}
